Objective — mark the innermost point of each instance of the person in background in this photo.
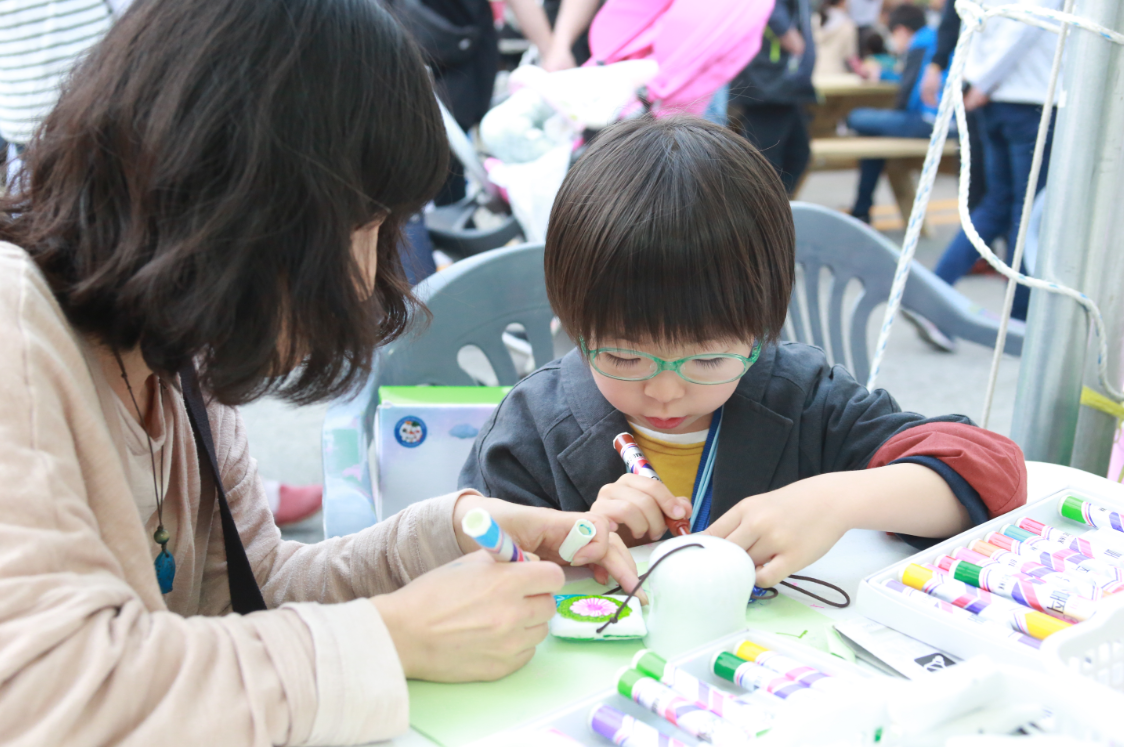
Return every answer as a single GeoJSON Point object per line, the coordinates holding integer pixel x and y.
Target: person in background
{"type": "Point", "coordinates": [461, 48]}
{"type": "Point", "coordinates": [773, 90]}
{"type": "Point", "coordinates": [837, 40]}
{"type": "Point", "coordinates": [865, 14]}
{"type": "Point", "coordinates": [933, 81]}
{"type": "Point", "coordinates": [39, 44]}
{"type": "Point", "coordinates": [1008, 71]}
{"type": "Point", "coordinates": [569, 46]}
{"type": "Point", "coordinates": [914, 43]}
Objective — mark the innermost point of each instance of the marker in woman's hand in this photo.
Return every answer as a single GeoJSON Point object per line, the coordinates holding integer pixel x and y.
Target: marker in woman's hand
{"type": "Point", "coordinates": [638, 464]}
{"type": "Point", "coordinates": [480, 525]}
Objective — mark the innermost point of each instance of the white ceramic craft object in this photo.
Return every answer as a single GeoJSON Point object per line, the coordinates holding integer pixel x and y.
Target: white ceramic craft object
{"type": "Point", "coordinates": [698, 594]}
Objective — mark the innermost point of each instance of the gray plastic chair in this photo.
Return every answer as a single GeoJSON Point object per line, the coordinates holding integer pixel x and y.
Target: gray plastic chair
{"type": "Point", "coordinates": [833, 313]}
{"type": "Point", "coordinates": [472, 303]}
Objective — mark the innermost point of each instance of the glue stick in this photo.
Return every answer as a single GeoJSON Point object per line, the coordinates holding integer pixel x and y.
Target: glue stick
{"type": "Point", "coordinates": [1054, 555]}
{"type": "Point", "coordinates": [789, 668]}
{"type": "Point", "coordinates": [1090, 514]}
{"type": "Point", "coordinates": [1025, 590]}
{"type": "Point", "coordinates": [753, 718]}
{"type": "Point", "coordinates": [1106, 546]}
{"type": "Point", "coordinates": [688, 716]}
{"type": "Point", "coordinates": [981, 602]}
{"type": "Point", "coordinates": [638, 464]}
{"type": "Point", "coordinates": [626, 731]}
{"type": "Point", "coordinates": [987, 626]}
{"type": "Point", "coordinates": [753, 676]}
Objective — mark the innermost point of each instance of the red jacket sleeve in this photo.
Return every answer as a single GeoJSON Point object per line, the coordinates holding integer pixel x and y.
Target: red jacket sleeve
{"type": "Point", "coordinates": [992, 464]}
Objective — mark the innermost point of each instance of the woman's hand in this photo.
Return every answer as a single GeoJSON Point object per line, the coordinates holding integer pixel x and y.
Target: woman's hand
{"type": "Point", "coordinates": [541, 531]}
{"type": "Point", "coordinates": [641, 504]}
{"type": "Point", "coordinates": [472, 619]}
{"type": "Point", "coordinates": [784, 530]}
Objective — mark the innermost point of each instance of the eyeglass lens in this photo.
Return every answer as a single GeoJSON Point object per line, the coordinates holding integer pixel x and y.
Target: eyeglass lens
{"type": "Point", "coordinates": [621, 365]}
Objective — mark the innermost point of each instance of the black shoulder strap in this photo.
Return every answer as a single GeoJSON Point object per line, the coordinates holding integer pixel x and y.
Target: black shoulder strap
{"type": "Point", "coordinates": [245, 596]}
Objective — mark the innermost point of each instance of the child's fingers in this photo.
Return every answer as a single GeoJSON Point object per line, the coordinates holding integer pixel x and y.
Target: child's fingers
{"type": "Point", "coordinates": [725, 526]}
{"type": "Point", "coordinates": [775, 571]}
{"type": "Point", "coordinates": [628, 514]}
{"type": "Point", "coordinates": [667, 504]}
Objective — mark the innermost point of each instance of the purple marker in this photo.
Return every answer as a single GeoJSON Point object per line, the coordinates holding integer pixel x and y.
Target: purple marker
{"type": "Point", "coordinates": [622, 729]}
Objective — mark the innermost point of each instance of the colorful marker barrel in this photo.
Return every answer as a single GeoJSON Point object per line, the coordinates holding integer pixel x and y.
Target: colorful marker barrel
{"type": "Point", "coordinates": [626, 731]}
{"type": "Point", "coordinates": [480, 525]}
{"type": "Point", "coordinates": [688, 716]}
{"type": "Point", "coordinates": [752, 718]}
{"type": "Point", "coordinates": [633, 457]}
{"type": "Point", "coordinates": [1025, 590]}
{"type": "Point", "coordinates": [1036, 573]}
{"type": "Point", "coordinates": [983, 603]}
{"type": "Point", "coordinates": [1087, 586]}
{"type": "Point", "coordinates": [1110, 551]}
{"type": "Point", "coordinates": [1055, 556]}
{"type": "Point", "coordinates": [1090, 514]}
{"type": "Point", "coordinates": [988, 627]}
{"type": "Point", "coordinates": [789, 668]}
{"type": "Point", "coordinates": [753, 676]}
{"type": "Point", "coordinates": [638, 464]}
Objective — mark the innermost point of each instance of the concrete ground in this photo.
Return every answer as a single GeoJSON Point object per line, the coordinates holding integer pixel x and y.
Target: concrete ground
{"type": "Point", "coordinates": [286, 440]}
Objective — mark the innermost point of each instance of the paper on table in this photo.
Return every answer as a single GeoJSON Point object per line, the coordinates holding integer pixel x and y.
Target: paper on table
{"type": "Point", "coordinates": [563, 672]}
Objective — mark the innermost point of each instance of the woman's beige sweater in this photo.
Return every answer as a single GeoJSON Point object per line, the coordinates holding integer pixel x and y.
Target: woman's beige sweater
{"type": "Point", "coordinates": [92, 654]}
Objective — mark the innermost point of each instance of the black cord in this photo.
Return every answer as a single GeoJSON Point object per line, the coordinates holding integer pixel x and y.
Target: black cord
{"type": "Point", "coordinates": [643, 578]}
{"type": "Point", "coordinates": [817, 597]}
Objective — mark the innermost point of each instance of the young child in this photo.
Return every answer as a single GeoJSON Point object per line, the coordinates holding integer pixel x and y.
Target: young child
{"type": "Point", "coordinates": [670, 259]}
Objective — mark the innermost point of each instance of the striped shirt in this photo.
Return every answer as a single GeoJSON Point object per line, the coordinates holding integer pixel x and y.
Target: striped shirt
{"type": "Point", "coordinates": [40, 41]}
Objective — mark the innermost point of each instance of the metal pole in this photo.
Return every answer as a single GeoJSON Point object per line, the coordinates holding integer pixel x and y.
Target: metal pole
{"type": "Point", "coordinates": [1054, 352]}
{"type": "Point", "coordinates": [1104, 276]}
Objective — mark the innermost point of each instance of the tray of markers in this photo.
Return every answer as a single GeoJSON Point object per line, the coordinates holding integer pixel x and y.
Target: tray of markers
{"type": "Point", "coordinates": [728, 693]}
{"type": "Point", "coordinates": [1003, 587]}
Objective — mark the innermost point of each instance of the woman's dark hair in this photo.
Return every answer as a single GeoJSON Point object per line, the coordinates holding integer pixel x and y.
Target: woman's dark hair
{"type": "Point", "coordinates": [196, 187]}
{"type": "Point", "coordinates": [671, 230]}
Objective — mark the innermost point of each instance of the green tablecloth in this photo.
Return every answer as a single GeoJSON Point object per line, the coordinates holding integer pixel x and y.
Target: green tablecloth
{"type": "Point", "coordinates": [564, 672]}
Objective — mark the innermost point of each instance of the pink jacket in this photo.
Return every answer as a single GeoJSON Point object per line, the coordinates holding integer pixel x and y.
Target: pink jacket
{"type": "Point", "coordinates": [700, 46]}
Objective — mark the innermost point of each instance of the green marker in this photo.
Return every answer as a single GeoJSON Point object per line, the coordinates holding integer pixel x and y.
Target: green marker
{"type": "Point", "coordinates": [753, 718]}
{"type": "Point", "coordinates": [1073, 508]}
{"type": "Point", "coordinates": [689, 716]}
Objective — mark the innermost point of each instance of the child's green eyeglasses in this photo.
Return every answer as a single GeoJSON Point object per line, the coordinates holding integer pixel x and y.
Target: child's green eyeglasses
{"type": "Point", "coordinates": [632, 365]}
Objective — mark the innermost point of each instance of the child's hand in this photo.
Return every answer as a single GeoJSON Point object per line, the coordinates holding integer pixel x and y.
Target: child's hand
{"type": "Point", "coordinates": [784, 530]}
{"type": "Point", "coordinates": [639, 503]}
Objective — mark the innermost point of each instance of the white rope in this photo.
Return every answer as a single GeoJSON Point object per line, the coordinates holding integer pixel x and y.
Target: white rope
{"type": "Point", "coordinates": [973, 16]}
{"type": "Point", "coordinates": [1024, 221]}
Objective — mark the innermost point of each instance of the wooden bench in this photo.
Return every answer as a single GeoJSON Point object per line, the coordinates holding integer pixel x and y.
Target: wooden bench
{"type": "Point", "coordinates": [903, 155]}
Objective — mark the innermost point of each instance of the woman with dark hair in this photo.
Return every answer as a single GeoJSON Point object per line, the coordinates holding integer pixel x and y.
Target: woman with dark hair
{"type": "Point", "coordinates": [213, 207]}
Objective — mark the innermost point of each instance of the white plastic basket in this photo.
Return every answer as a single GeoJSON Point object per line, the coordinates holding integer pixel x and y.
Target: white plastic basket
{"type": "Point", "coordinates": [1093, 649]}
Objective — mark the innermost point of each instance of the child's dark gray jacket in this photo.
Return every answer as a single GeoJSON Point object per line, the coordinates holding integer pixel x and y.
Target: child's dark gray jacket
{"type": "Point", "coordinates": [792, 416]}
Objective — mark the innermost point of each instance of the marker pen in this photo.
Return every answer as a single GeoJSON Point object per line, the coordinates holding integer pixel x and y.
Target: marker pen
{"type": "Point", "coordinates": [638, 464]}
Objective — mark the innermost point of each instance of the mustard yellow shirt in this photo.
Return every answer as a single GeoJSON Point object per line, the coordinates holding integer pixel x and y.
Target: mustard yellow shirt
{"type": "Point", "coordinates": [674, 457]}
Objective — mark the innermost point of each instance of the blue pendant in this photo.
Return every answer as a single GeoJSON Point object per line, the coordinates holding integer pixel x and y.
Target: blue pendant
{"type": "Point", "coordinates": [165, 571]}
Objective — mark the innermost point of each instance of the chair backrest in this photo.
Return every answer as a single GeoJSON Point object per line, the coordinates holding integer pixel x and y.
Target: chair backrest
{"type": "Point", "coordinates": [472, 303]}
{"type": "Point", "coordinates": [844, 272]}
